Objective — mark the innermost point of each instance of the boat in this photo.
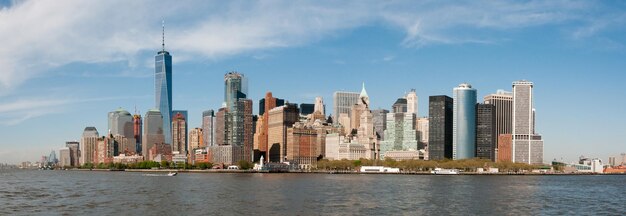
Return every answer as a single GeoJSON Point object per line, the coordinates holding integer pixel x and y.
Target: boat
{"type": "Point", "coordinates": [439, 171]}
{"type": "Point", "coordinates": [172, 174]}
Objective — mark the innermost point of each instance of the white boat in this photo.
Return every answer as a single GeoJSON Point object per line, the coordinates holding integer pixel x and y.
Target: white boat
{"type": "Point", "coordinates": [439, 171]}
{"type": "Point", "coordinates": [172, 174]}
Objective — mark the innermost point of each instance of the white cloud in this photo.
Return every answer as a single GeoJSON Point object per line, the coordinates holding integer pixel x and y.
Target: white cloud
{"type": "Point", "coordinates": [39, 35]}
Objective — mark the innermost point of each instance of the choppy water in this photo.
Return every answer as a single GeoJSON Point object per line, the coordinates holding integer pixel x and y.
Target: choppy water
{"type": "Point", "coordinates": [34, 192]}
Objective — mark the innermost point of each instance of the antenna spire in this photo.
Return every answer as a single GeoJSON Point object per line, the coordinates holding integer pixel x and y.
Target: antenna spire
{"type": "Point", "coordinates": [163, 34]}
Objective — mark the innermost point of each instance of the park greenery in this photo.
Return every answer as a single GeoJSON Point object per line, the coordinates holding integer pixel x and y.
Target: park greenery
{"type": "Point", "coordinates": [469, 165]}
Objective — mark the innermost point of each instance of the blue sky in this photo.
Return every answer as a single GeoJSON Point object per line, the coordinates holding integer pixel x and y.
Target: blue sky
{"type": "Point", "coordinates": [65, 64]}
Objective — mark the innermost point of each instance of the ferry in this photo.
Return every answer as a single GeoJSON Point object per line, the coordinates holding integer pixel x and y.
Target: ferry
{"type": "Point", "coordinates": [439, 171]}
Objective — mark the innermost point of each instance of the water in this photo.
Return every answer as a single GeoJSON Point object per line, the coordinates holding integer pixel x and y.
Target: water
{"type": "Point", "coordinates": [34, 192]}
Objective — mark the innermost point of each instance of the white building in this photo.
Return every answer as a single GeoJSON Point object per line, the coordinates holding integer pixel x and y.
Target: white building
{"type": "Point", "coordinates": [527, 145]}
{"type": "Point", "coordinates": [340, 147]}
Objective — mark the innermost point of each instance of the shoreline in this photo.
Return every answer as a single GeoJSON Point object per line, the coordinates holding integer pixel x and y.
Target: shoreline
{"type": "Point", "coordinates": [334, 172]}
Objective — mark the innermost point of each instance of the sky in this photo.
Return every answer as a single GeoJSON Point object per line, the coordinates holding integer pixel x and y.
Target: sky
{"type": "Point", "coordinates": [65, 64]}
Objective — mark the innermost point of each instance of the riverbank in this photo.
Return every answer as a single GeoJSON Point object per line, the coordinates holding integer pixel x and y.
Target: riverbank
{"type": "Point", "coordinates": [323, 172]}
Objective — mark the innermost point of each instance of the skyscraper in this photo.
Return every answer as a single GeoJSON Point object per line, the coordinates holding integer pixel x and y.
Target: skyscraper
{"type": "Point", "coordinates": [400, 136]}
{"type": "Point", "coordinates": [88, 145]}
{"type": "Point", "coordinates": [137, 128]}
{"type": "Point", "coordinates": [163, 89]}
{"type": "Point", "coordinates": [261, 136]}
{"type": "Point", "coordinates": [342, 103]}
{"type": "Point", "coordinates": [280, 118]}
{"type": "Point", "coordinates": [503, 103]}
{"type": "Point", "coordinates": [73, 146]}
{"type": "Point", "coordinates": [319, 105]}
{"type": "Point", "coordinates": [486, 136]}
{"type": "Point", "coordinates": [179, 133]}
{"type": "Point", "coordinates": [527, 146]}
{"type": "Point", "coordinates": [411, 102]}
{"type": "Point", "coordinates": [422, 133]}
{"type": "Point", "coordinates": [121, 125]}
{"type": "Point", "coordinates": [464, 123]}
{"type": "Point", "coordinates": [152, 132]}
{"type": "Point", "coordinates": [208, 128]}
{"type": "Point", "coordinates": [440, 127]}
{"type": "Point", "coordinates": [195, 140]}
{"type": "Point", "coordinates": [379, 117]}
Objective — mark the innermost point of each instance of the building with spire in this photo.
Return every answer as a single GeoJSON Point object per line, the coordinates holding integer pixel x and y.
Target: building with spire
{"type": "Point", "coordinates": [163, 88]}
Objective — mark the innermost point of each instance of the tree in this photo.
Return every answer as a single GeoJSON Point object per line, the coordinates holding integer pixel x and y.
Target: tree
{"type": "Point", "coordinates": [244, 165]}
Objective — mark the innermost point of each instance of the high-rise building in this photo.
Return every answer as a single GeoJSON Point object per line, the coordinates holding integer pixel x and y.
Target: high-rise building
{"type": "Point", "coordinates": [179, 133]}
{"type": "Point", "coordinates": [121, 122]}
{"type": "Point", "coordinates": [105, 150]}
{"type": "Point", "coordinates": [163, 89]}
{"type": "Point", "coordinates": [280, 118]}
{"type": "Point", "coordinates": [222, 130]}
{"type": "Point", "coordinates": [527, 146]}
{"type": "Point", "coordinates": [261, 136]}
{"type": "Point", "coordinates": [208, 128]}
{"type": "Point", "coordinates": [195, 140]}
{"type": "Point", "coordinates": [319, 106]}
{"type": "Point", "coordinates": [379, 117]}
{"type": "Point", "coordinates": [302, 144]}
{"type": "Point", "coordinates": [362, 122]}
{"type": "Point", "coordinates": [73, 146]}
{"type": "Point", "coordinates": [400, 136]}
{"type": "Point", "coordinates": [464, 123]}
{"type": "Point", "coordinates": [306, 108]}
{"type": "Point", "coordinates": [88, 143]}
{"type": "Point", "coordinates": [411, 102]}
{"type": "Point", "coordinates": [153, 131]}
{"type": "Point", "coordinates": [422, 134]}
{"type": "Point", "coordinates": [440, 127]}
{"type": "Point", "coordinates": [503, 102]}
{"type": "Point", "coordinates": [342, 103]}
{"type": "Point", "coordinates": [248, 131]}
{"type": "Point", "coordinates": [64, 157]}
{"type": "Point", "coordinates": [137, 128]}
{"type": "Point", "coordinates": [486, 136]}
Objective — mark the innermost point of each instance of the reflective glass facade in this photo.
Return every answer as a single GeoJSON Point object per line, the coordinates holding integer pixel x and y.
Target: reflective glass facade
{"type": "Point", "coordinates": [464, 123]}
{"type": "Point", "coordinates": [163, 91]}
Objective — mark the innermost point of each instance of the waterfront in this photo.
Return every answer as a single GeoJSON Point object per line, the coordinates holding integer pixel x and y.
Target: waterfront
{"type": "Point", "coordinates": [34, 192]}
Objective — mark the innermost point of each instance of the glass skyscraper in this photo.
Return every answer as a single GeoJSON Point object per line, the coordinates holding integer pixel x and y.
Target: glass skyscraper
{"type": "Point", "coordinates": [464, 122]}
{"type": "Point", "coordinates": [163, 90]}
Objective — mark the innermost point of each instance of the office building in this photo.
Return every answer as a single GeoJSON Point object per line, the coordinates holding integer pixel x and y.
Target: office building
{"type": "Point", "coordinates": [88, 143]}
{"type": "Point", "coordinates": [440, 127]}
{"type": "Point", "coordinates": [179, 133]}
{"type": "Point", "coordinates": [422, 135]}
{"type": "Point", "coordinates": [195, 140]}
{"type": "Point", "coordinates": [319, 106]}
{"type": "Point", "coordinates": [503, 103]}
{"type": "Point", "coordinates": [153, 130]}
{"type": "Point", "coordinates": [279, 119]}
{"type": "Point", "coordinates": [411, 102]}
{"type": "Point", "coordinates": [464, 122]}
{"type": "Point", "coordinates": [342, 103]}
{"type": "Point", "coordinates": [486, 136]}
{"type": "Point", "coordinates": [121, 122]}
{"type": "Point", "coordinates": [527, 145]}
{"type": "Point", "coordinates": [400, 135]}
{"type": "Point", "coordinates": [73, 146]}
{"type": "Point", "coordinates": [302, 144]}
{"type": "Point", "coordinates": [64, 157]}
{"type": "Point", "coordinates": [137, 131]}
{"type": "Point", "coordinates": [261, 136]}
{"type": "Point", "coordinates": [208, 128]}
{"type": "Point", "coordinates": [379, 117]}
{"type": "Point", "coordinates": [307, 108]}
{"type": "Point", "coordinates": [163, 89]}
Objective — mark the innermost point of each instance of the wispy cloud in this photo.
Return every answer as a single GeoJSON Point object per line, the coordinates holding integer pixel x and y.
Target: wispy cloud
{"type": "Point", "coordinates": [40, 35]}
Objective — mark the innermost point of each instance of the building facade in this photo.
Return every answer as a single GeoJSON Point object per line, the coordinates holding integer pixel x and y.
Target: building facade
{"type": "Point", "coordinates": [208, 128]}
{"type": "Point", "coordinates": [464, 122]}
{"type": "Point", "coordinates": [153, 130]}
{"type": "Point", "coordinates": [400, 135]}
{"type": "Point", "coordinates": [486, 136]}
{"type": "Point", "coordinates": [74, 147]}
{"type": "Point", "coordinates": [379, 117]}
{"type": "Point", "coordinates": [527, 145]}
{"type": "Point", "coordinates": [179, 133]}
{"type": "Point", "coordinates": [505, 148]}
{"type": "Point", "coordinates": [342, 103]}
{"type": "Point", "coordinates": [88, 143]}
{"type": "Point", "coordinates": [440, 127]}
{"type": "Point", "coordinates": [163, 90]}
{"type": "Point", "coordinates": [280, 118]}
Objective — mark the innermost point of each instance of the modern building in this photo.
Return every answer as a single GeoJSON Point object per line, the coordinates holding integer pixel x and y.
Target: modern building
{"type": "Point", "coordinates": [486, 136]}
{"type": "Point", "coordinates": [137, 131]}
{"type": "Point", "coordinates": [64, 157]}
{"type": "Point", "coordinates": [88, 143]}
{"type": "Point", "coordinates": [464, 122]}
{"type": "Point", "coordinates": [163, 89]}
{"type": "Point", "coordinates": [208, 128]}
{"type": "Point", "coordinates": [105, 150]}
{"type": "Point", "coordinates": [74, 147]}
{"type": "Point", "coordinates": [153, 130]}
{"type": "Point", "coordinates": [222, 128]}
{"type": "Point", "coordinates": [400, 135]}
{"type": "Point", "coordinates": [279, 119]}
{"type": "Point", "coordinates": [121, 122]}
{"type": "Point", "coordinates": [342, 103]}
{"type": "Point", "coordinates": [179, 133]}
{"type": "Point", "coordinates": [248, 132]}
{"type": "Point", "coordinates": [379, 117]}
{"type": "Point", "coordinates": [440, 127]}
{"type": "Point", "coordinates": [503, 103]}
{"type": "Point", "coordinates": [306, 108]}
{"type": "Point", "coordinates": [527, 145]}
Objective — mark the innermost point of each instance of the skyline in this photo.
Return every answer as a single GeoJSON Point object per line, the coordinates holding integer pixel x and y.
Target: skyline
{"type": "Point", "coordinates": [360, 53]}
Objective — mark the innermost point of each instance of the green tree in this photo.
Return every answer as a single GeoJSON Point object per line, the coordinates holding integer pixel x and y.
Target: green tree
{"type": "Point", "coordinates": [244, 165]}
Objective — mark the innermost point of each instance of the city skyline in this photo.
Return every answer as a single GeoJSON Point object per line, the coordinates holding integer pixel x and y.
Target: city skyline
{"type": "Point", "coordinates": [82, 87]}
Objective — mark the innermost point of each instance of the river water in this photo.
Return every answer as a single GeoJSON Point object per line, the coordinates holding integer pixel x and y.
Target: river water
{"type": "Point", "coordinates": [35, 192]}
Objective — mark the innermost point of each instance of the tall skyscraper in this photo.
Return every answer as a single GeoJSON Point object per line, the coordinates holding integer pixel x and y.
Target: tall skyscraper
{"type": "Point", "coordinates": [261, 136]}
{"type": "Point", "coordinates": [527, 146]}
{"type": "Point", "coordinates": [208, 128]}
{"type": "Point", "coordinates": [440, 127]}
{"type": "Point", "coordinates": [379, 117]}
{"type": "Point", "coordinates": [163, 89]}
{"type": "Point", "coordinates": [464, 123]}
{"type": "Point", "coordinates": [342, 103]}
{"type": "Point", "coordinates": [486, 136]}
{"type": "Point", "coordinates": [411, 102]}
{"type": "Point", "coordinates": [152, 132]}
{"type": "Point", "coordinates": [88, 145]}
{"type": "Point", "coordinates": [137, 128]}
{"type": "Point", "coordinates": [503, 103]}
{"type": "Point", "coordinates": [179, 133]}
{"type": "Point", "coordinates": [280, 118]}
{"type": "Point", "coordinates": [248, 129]}
{"type": "Point", "coordinates": [400, 136]}
{"type": "Point", "coordinates": [222, 131]}
{"type": "Point", "coordinates": [121, 125]}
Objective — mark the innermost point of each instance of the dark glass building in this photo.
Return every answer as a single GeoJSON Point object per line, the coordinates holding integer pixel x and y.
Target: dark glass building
{"type": "Point", "coordinates": [306, 108]}
{"type": "Point", "coordinates": [163, 90]}
{"type": "Point", "coordinates": [486, 136]}
{"type": "Point", "coordinates": [440, 109]}
{"type": "Point", "coordinates": [279, 102]}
